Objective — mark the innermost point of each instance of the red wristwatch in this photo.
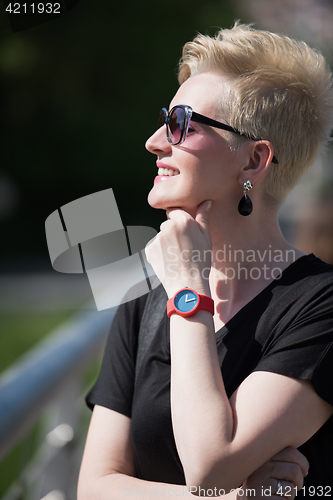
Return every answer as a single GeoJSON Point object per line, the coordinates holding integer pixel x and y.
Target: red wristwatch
{"type": "Point", "coordinates": [187, 302]}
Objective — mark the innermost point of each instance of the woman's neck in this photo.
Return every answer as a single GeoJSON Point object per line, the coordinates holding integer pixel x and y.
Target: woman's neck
{"type": "Point", "coordinates": [248, 253]}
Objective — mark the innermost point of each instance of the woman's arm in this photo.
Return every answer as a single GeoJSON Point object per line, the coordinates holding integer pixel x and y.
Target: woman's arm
{"type": "Point", "coordinates": [108, 469]}
{"type": "Point", "coordinates": [222, 442]}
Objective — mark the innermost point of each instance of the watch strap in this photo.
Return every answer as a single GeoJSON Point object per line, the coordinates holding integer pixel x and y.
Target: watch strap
{"type": "Point", "coordinates": [207, 303]}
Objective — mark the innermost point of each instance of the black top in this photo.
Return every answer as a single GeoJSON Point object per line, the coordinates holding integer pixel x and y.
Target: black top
{"type": "Point", "coordinates": [286, 329]}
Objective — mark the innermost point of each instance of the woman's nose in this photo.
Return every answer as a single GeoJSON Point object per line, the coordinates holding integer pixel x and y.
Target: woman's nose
{"type": "Point", "coordinates": [158, 143]}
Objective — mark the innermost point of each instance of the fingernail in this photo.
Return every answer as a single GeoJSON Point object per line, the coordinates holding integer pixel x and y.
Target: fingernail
{"type": "Point", "coordinates": [209, 206]}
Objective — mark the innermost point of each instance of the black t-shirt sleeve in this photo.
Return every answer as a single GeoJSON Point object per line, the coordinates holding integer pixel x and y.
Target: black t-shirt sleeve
{"type": "Point", "coordinates": [115, 385]}
{"type": "Point", "coordinates": [304, 350]}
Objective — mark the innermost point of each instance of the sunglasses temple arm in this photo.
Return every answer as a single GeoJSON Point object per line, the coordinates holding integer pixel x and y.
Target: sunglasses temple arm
{"type": "Point", "coordinates": [213, 123]}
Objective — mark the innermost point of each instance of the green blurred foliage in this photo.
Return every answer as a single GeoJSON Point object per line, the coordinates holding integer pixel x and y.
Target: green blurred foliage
{"type": "Point", "coordinates": [79, 97]}
{"type": "Point", "coordinates": [21, 330]}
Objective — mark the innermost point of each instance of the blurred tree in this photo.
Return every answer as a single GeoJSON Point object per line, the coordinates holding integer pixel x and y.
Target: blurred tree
{"type": "Point", "coordinates": [80, 95]}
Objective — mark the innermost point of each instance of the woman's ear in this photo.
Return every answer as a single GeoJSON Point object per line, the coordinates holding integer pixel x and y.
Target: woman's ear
{"type": "Point", "coordinates": [260, 156]}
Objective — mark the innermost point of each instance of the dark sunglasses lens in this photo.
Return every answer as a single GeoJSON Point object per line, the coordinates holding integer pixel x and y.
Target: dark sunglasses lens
{"type": "Point", "coordinates": [176, 125]}
{"type": "Point", "coordinates": [161, 119]}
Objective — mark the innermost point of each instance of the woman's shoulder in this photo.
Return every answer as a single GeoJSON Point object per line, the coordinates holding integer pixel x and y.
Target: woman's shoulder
{"type": "Point", "coordinates": [308, 272]}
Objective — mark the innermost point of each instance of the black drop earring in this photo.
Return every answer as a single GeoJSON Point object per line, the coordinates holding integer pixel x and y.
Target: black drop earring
{"type": "Point", "coordinates": [245, 205]}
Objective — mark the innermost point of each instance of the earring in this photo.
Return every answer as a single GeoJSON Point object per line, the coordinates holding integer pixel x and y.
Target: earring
{"type": "Point", "coordinates": [245, 205]}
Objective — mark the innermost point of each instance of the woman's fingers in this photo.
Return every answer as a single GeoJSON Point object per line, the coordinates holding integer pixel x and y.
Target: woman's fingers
{"type": "Point", "coordinates": [181, 252]}
{"type": "Point", "coordinates": [285, 489]}
{"type": "Point", "coordinates": [287, 471]}
{"type": "Point", "coordinates": [293, 455]}
{"type": "Point", "coordinates": [281, 477]}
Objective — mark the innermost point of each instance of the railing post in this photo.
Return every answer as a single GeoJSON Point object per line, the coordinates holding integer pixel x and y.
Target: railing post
{"type": "Point", "coordinates": [49, 378]}
{"type": "Point", "coordinates": [61, 436]}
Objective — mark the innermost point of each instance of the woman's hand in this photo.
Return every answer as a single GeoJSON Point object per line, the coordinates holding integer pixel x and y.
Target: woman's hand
{"type": "Point", "coordinates": [181, 252]}
{"type": "Point", "coordinates": [281, 474]}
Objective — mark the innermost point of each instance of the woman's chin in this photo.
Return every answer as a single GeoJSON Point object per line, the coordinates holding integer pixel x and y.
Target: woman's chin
{"type": "Point", "coordinates": [156, 201]}
{"type": "Point", "coordinates": [166, 200]}
{"type": "Point", "coordinates": [167, 204]}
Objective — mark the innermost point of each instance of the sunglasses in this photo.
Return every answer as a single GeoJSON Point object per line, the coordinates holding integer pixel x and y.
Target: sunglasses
{"type": "Point", "coordinates": [177, 122]}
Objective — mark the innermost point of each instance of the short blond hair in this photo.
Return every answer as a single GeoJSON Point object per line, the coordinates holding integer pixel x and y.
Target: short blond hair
{"type": "Point", "coordinates": [282, 92]}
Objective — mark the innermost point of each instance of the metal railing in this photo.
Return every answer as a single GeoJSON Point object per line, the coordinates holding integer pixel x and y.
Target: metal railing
{"type": "Point", "coordinates": [49, 380]}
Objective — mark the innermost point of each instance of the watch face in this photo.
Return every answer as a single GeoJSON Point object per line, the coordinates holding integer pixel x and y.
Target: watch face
{"type": "Point", "coordinates": [185, 300]}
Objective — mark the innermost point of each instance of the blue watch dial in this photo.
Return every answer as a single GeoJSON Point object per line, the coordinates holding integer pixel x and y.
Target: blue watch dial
{"type": "Point", "coordinates": [186, 300]}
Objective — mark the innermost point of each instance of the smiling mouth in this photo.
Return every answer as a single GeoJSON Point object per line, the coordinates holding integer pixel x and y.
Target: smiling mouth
{"type": "Point", "coordinates": [167, 172]}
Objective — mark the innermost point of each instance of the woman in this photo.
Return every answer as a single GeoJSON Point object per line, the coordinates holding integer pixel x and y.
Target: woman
{"type": "Point", "coordinates": [251, 326]}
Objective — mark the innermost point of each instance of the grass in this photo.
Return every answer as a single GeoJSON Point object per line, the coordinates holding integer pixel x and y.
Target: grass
{"type": "Point", "coordinates": [19, 331]}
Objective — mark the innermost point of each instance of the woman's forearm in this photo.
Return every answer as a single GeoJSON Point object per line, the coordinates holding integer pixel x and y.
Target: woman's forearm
{"type": "Point", "coordinates": [201, 414]}
{"type": "Point", "coordinates": [118, 486]}
{"type": "Point", "coordinates": [202, 417]}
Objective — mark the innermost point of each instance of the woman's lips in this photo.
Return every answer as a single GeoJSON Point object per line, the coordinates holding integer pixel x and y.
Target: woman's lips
{"type": "Point", "coordinates": [160, 178]}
